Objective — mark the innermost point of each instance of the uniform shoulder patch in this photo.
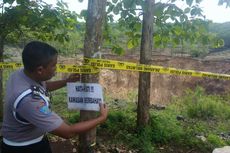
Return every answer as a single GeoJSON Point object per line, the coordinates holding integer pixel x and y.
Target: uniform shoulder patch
{"type": "Point", "coordinates": [43, 108]}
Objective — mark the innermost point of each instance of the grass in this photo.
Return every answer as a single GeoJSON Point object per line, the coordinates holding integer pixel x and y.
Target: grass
{"type": "Point", "coordinates": [203, 115]}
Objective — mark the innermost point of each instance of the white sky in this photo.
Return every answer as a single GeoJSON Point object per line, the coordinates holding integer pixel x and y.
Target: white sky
{"type": "Point", "coordinates": [214, 12]}
{"type": "Point", "coordinates": [210, 8]}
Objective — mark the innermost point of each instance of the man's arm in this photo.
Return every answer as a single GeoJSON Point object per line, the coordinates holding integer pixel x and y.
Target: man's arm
{"type": "Point", "coordinates": [54, 85]}
{"type": "Point", "coordinates": [68, 131]}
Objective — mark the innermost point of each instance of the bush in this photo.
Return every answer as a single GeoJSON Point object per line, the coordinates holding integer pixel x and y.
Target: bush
{"type": "Point", "coordinates": [204, 115]}
{"type": "Point", "coordinates": [206, 107]}
{"type": "Point", "coordinates": [165, 127]}
{"type": "Point", "coordinates": [215, 141]}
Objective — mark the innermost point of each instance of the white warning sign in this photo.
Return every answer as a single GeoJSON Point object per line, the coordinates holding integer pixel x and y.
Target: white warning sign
{"type": "Point", "coordinates": [84, 96]}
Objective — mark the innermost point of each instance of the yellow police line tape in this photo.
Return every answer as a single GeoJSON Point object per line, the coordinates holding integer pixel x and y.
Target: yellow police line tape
{"type": "Point", "coordinates": [94, 66]}
{"type": "Point", "coordinates": [63, 68]}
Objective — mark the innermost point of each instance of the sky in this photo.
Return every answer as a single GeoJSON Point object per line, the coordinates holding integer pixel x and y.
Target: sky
{"type": "Point", "coordinates": [211, 10]}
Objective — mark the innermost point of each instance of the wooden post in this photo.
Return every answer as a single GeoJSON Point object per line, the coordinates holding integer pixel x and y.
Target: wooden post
{"type": "Point", "coordinates": [92, 43]}
{"type": "Point", "coordinates": [145, 57]}
{"type": "Point", "coordinates": [1, 79]}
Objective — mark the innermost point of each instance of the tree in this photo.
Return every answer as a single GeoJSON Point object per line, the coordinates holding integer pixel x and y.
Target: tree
{"type": "Point", "coordinates": [187, 27]}
{"type": "Point", "coordinates": [92, 44]}
{"type": "Point", "coordinates": [18, 17]}
{"type": "Point", "coordinates": [181, 31]}
{"type": "Point", "coordinates": [145, 58]}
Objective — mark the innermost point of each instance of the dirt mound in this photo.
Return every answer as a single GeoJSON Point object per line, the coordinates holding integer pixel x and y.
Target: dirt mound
{"type": "Point", "coordinates": [119, 84]}
{"type": "Point", "coordinates": [123, 84]}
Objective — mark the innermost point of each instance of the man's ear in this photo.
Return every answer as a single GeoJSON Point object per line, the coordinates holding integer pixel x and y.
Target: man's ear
{"type": "Point", "coordinates": [39, 70]}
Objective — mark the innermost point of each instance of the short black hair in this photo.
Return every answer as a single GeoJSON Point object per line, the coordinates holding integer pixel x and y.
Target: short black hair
{"type": "Point", "coordinates": [37, 54]}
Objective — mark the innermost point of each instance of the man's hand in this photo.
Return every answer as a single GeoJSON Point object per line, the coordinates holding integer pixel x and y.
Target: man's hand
{"type": "Point", "coordinates": [103, 112]}
{"type": "Point", "coordinates": [73, 78]}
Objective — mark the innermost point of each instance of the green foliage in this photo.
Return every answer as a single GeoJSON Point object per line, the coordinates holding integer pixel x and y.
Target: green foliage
{"type": "Point", "coordinates": [6, 74]}
{"type": "Point", "coordinates": [222, 31]}
{"type": "Point", "coordinates": [172, 25]}
{"type": "Point", "coordinates": [119, 121]}
{"type": "Point", "coordinates": [143, 139]}
{"type": "Point", "coordinates": [206, 107]}
{"type": "Point", "coordinates": [129, 21]}
{"type": "Point", "coordinates": [36, 17]}
{"type": "Point", "coordinates": [218, 43]}
{"type": "Point", "coordinates": [208, 120]}
{"type": "Point", "coordinates": [75, 43]}
{"type": "Point", "coordinates": [59, 105]}
{"type": "Point", "coordinates": [205, 115]}
{"type": "Point", "coordinates": [74, 118]}
{"type": "Point", "coordinates": [83, 14]}
{"type": "Point", "coordinates": [215, 141]}
{"type": "Point", "coordinates": [166, 128]}
{"type": "Point", "coordinates": [121, 126]}
{"type": "Point", "coordinates": [198, 50]}
{"type": "Point", "coordinates": [118, 50]}
{"type": "Point", "coordinates": [114, 38]}
{"type": "Point", "coordinates": [58, 99]}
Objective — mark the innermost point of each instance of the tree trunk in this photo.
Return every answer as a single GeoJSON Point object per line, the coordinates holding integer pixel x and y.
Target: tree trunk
{"type": "Point", "coordinates": [1, 78]}
{"type": "Point", "coordinates": [145, 57]}
{"type": "Point", "coordinates": [92, 43]}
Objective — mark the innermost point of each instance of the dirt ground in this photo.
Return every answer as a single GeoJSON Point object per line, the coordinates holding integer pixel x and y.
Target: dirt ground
{"type": "Point", "coordinates": [63, 146]}
{"type": "Point", "coordinates": [68, 146]}
{"type": "Point", "coordinates": [119, 84]}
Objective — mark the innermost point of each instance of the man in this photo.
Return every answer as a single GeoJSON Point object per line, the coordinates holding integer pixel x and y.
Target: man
{"type": "Point", "coordinates": [27, 115]}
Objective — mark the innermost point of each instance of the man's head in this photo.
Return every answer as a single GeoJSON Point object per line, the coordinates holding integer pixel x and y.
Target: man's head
{"type": "Point", "coordinates": [40, 58]}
